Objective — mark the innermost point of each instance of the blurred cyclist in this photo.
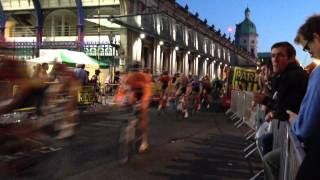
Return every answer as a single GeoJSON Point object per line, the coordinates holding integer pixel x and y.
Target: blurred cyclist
{"type": "Point", "coordinates": [164, 80]}
{"type": "Point", "coordinates": [206, 90]}
{"type": "Point", "coordinates": [27, 92]}
{"type": "Point", "coordinates": [182, 94]}
{"type": "Point", "coordinates": [68, 85]}
{"type": "Point", "coordinates": [137, 86]}
{"type": "Point", "coordinates": [196, 92]}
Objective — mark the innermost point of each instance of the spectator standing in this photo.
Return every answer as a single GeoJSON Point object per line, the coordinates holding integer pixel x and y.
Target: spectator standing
{"type": "Point", "coordinates": [95, 77]}
{"type": "Point", "coordinates": [81, 74]}
{"type": "Point", "coordinates": [36, 71]}
{"type": "Point", "coordinates": [306, 124]}
{"type": "Point", "coordinates": [43, 72]}
{"type": "Point", "coordinates": [289, 87]}
{"type": "Point", "coordinates": [95, 81]}
{"type": "Point", "coordinates": [116, 79]}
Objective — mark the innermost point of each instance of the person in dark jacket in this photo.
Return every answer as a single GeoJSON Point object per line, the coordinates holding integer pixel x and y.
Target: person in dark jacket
{"type": "Point", "coordinates": [288, 88]}
{"type": "Point", "coordinates": [289, 83]}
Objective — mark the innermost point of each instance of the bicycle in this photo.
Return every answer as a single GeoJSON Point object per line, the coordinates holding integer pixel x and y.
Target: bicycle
{"type": "Point", "coordinates": [194, 102]}
{"type": "Point", "coordinates": [206, 99]}
{"type": "Point", "coordinates": [25, 123]}
{"type": "Point", "coordinates": [164, 102]}
{"type": "Point", "coordinates": [181, 105]}
{"type": "Point", "coordinates": [130, 136]}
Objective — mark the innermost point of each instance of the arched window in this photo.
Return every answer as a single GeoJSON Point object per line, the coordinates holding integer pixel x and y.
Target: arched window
{"type": "Point", "coordinates": [60, 23]}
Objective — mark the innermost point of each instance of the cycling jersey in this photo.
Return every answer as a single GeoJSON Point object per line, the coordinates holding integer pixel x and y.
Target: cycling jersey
{"type": "Point", "coordinates": [139, 84]}
{"type": "Point", "coordinates": [165, 79]}
{"type": "Point", "coordinates": [206, 84]}
{"type": "Point", "coordinates": [195, 86]}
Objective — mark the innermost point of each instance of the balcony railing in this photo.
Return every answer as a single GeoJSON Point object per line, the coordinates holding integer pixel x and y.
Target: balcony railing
{"type": "Point", "coordinates": [30, 31]}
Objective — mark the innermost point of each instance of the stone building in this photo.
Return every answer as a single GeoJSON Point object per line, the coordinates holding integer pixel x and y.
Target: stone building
{"type": "Point", "coordinates": [162, 34]}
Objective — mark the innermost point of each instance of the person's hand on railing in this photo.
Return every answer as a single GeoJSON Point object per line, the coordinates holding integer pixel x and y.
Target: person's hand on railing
{"type": "Point", "coordinates": [264, 108]}
{"type": "Point", "coordinates": [258, 98]}
{"type": "Point", "coordinates": [253, 105]}
{"type": "Point", "coordinates": [292, 116]}
{"type": "Point", "coordinates": [269, 116]}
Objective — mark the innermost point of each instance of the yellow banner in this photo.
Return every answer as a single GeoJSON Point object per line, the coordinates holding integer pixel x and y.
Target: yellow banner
{"type": "Point", "coordinates": [86, 95]}
{"type": "Point", "coordinates": [244, 79]}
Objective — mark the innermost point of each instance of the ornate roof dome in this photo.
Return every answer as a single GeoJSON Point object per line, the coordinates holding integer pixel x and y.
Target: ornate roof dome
{"type": "Point", "coordinates": [246, 27]}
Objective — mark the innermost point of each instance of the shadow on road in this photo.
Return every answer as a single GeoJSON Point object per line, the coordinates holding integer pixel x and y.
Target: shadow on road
{"type": "Point", "coordinates": [215, 157]}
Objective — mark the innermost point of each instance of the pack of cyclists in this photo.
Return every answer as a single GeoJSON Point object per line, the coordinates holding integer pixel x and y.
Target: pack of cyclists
{"type": "Point", "coordinates": [189, 92]}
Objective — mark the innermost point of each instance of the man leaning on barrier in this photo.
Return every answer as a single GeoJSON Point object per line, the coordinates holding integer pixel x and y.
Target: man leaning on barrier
{"type": "Point", "coordinates": [289, 86]}
{"type": "Point", "coordinates": [306, 124]}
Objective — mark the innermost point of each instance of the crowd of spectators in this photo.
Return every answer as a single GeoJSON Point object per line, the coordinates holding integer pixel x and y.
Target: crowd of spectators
{"type": "Point", "coordinates": [291, 94]}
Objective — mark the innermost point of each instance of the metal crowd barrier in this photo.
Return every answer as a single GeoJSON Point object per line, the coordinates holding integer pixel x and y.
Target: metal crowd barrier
{"type": "Point", "coordinates": [235, 105]}
{"type": "Point", "coordinates": [292, 152]}
{"type": "Point", "coordinates": [110, 89]}
{"type": "Point", "coordinates": [241, 109]}
{"type": "Point", "coordinates": [295, 156]}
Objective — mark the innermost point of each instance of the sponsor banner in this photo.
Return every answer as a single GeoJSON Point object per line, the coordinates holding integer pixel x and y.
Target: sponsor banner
{"type": "Point", "coordinates": [245, 79]}
{"type": "Point", "coordinates": [86, 95]}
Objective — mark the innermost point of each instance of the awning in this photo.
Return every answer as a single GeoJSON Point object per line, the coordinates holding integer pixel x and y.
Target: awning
{"type": "Point", "coordinates": [68, 57]}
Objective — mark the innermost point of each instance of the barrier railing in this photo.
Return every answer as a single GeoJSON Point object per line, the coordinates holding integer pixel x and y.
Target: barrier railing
{"type": "Point", "coordinates": [110, 89]}
{"type": "Point", "coordinates": [295, 156]}
{"type": "Point", "coordinates": [292, 152]}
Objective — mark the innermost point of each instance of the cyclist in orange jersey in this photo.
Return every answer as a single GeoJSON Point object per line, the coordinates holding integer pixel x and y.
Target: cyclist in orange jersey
{"type": "Point", "coordinates": [137, 86]}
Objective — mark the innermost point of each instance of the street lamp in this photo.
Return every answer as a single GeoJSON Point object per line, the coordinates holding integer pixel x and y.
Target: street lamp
{"type": "Point", "coordinates": [142, 35]}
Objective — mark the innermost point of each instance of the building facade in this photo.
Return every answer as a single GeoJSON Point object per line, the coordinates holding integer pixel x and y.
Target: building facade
{"type": "Point", "coordinates": [161, 34]}
{"type": "Point", "coordinates": [246, 34]}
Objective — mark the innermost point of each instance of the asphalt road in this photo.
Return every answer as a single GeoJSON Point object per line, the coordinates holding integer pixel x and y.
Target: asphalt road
{"type": "Point", "coordinates": [204, 146]}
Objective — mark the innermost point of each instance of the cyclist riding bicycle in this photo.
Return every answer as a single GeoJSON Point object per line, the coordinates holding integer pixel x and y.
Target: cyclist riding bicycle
{"type": "Point", "coordinates": [206, 90]}
{"type": "Point", "coordinates": [164, 80]}
{"type": "Point", "coordinates": [29, 92]}
{"type": "Point", "coordinates": [137, 86]}
{"type": "Point", "coordinates": [196, 92]}
{"type": "Point", "coordinates": [181, 93]}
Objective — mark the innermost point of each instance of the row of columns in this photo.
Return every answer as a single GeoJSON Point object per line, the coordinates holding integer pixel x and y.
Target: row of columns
{"type": "Point", "coordinates": [173, 60]}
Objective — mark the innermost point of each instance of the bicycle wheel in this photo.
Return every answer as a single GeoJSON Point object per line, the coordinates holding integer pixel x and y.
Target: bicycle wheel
{"type": "Point", "coordinates": [123, 144]}
{"type": "Point", "coordinates": [127, 140]}
{"type": "Point", "coordinates": [137, 139]}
